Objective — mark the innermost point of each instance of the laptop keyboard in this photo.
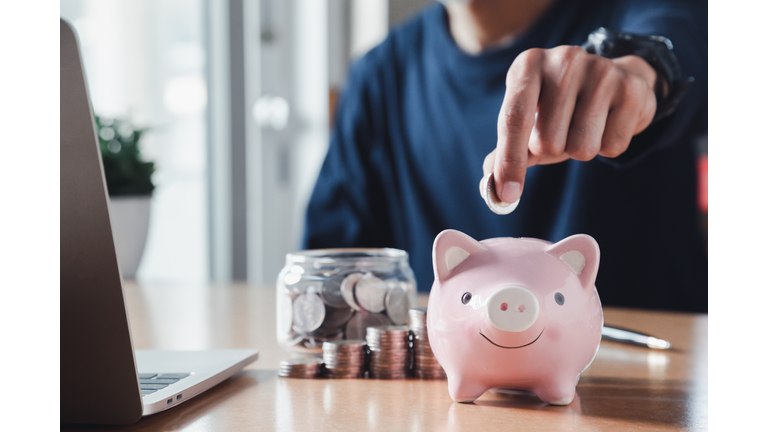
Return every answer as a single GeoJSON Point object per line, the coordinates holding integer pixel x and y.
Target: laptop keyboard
{"type": "Point", "coordinates": [152, 382]}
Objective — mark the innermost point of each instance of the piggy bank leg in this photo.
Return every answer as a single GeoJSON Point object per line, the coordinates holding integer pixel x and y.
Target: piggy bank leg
{"type": "Point", "coordinates": [559, 392]}
{"type": "Point", "coordinates": [464, 390]}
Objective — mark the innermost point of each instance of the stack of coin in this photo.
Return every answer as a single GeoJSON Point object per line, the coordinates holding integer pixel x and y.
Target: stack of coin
{"type": "Point", "coordinates": [344, 358]}
{"type": "Point", "coordinates": [425, 365]}
{"type": "Point", "coordinates": [390, 351]}
{"type": "Point", "coordinates": [305, 367]}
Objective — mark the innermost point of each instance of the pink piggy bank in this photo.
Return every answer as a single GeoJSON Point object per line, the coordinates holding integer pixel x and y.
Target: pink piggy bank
{"type": "Point", "coordinates": [514, 313]}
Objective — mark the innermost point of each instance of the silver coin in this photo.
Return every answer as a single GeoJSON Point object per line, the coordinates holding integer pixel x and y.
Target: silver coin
{"type": "Point", "coordinates": [347, 289]}
{"type": "Point", "coordinates": [314, 344]}
{"type": "Point", "coordinates": [396, 303]}
{"type": "Point", "coordinates": [346, 344]}
{"type": "Point", "coordinates": [301, 368]}
{"type": "Point", "coordinates": [349, 358]}
{"type": "Point", "coordinates": [391, 353]}
{"type": "Point", "coordinates": [291, 276]}
{"type": "Point", "coordinates": [331, 291]}
{"type": "Point", "coordinates": [359, 323]}
{"type": "Point", "coordinates": [370, 292]}
{"type": "Point", "coordinates": [337, 359]}
{"type": "Point", "coordinates": [418, 316]}
{"type": "Point", "coordinates": [308, 312]}
{"type": "Point", "coordinates": [339, 364]}
{"type": "Point", "coordinates": [425, 365]}
{"type": "Point", "coordinates": [336, 317]}
{"type": "Point", "coordinates": [390, 330]}
{"type": "Point", "coordinates": [488, 192]}
{"type": "Point", "coordinates": [344, 358]}
{"type": "Point", "coordinates": [305, 284]}
{"type": "Point", "coordinates": [302, 361]}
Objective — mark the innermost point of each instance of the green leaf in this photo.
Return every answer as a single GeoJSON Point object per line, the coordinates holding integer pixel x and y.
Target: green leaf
{"type": "Point", "coordinates": [126, 172]}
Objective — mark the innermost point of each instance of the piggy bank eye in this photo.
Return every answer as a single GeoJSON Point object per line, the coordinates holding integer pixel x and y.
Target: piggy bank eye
{"type": "Point", "coordinates": [559, 299]}
{"type": "Point", "coordinates": [466, 297]}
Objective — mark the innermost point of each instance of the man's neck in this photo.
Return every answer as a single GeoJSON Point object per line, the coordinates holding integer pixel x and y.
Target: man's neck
{"type": "Point", "coordinates": [482, 24]}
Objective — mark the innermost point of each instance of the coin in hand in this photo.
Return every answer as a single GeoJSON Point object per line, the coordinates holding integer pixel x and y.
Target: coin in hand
{"type": "Point", "coordinates": [488, 192]}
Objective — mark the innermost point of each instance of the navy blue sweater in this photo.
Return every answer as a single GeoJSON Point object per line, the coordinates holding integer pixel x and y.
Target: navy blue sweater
{"type": "Point", "coordinates": [418, 117]}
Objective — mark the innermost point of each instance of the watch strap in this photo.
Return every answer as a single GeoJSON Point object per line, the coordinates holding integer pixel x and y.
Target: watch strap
{"type": "Point", "coordinates": [657, 51]}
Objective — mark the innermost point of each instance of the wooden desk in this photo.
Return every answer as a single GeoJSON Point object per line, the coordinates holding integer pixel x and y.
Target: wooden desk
{"type": "Point", "coordinates": [625, 388]}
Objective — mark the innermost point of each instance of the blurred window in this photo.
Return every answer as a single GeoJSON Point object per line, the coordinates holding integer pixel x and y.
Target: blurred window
{"type": "Point", "coordinates": [146, 61]}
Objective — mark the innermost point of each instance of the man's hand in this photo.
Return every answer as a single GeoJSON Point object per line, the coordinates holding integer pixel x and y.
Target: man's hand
{"type": "Point", "coordinates": [563, 103]}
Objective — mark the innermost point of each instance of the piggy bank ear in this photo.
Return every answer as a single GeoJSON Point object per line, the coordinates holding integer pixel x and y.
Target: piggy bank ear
{"type": "Point", "coordinates": [581, 254]}
{"type": "Point", "coordinates": [450, 249]}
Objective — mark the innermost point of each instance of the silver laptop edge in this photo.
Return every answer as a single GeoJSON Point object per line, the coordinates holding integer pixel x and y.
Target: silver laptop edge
{"type": "Point", "coordinates": [209, 368]}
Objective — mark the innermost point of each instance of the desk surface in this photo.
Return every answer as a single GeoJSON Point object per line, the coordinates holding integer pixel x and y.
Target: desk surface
{"type": "Point", "coordinates": [625, 388]}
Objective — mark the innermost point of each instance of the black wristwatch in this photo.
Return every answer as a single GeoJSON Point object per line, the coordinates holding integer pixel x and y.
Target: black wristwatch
{"type": "Point", "coordinates": [657, 51]}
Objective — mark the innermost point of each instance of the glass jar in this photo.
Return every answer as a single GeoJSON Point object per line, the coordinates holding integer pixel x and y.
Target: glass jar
{"type": "Point", "coordinates": [330, 294]}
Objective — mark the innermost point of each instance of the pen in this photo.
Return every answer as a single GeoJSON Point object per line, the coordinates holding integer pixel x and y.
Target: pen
{"type": "Point", "coordinates": [628, 336]}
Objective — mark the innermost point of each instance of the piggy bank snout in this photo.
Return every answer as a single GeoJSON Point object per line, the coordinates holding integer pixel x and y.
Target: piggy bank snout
{"type": "Point", "coordinates": [512, 309]}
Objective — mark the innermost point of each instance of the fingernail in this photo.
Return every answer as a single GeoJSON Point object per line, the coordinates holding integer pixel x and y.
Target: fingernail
{"type": "Point", "coordinates": [510, 192]}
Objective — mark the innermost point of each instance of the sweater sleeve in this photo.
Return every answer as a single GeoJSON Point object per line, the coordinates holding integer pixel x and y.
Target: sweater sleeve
{"type": "Point", "coordinates": [685, 24]}
{"type": "Point", "coordinates": [343, 211]}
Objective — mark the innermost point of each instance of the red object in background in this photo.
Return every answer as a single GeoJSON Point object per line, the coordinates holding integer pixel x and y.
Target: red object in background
{"type": "Point", "coordinates": [703, 182]}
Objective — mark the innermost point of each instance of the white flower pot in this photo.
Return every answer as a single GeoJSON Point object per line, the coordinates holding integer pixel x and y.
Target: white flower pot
{"type": "Point", "coordinates": [130, 223]}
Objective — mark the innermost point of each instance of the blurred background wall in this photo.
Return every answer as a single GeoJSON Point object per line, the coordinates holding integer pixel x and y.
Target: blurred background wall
{"type": "Point", "coordinates": [238, 97]}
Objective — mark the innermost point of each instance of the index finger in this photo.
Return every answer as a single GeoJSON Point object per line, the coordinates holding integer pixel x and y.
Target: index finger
{"type": "Point", "coordinates": [516, 121]}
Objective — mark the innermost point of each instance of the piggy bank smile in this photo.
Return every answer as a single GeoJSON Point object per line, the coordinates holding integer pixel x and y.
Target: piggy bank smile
{"type": "Point", "coordinates": [512, 347]}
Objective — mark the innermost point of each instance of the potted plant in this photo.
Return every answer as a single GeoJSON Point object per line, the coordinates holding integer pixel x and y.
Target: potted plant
{"type": "Point", "coordinates": [129, 183]}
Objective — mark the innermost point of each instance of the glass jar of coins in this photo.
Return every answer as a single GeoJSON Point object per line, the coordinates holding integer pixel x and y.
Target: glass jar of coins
{"type": "Point", "coordinates": [331, 294]}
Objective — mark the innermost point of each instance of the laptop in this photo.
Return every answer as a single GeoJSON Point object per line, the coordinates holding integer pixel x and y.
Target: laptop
{"type": "Point", "coordinates": [103, 379]}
